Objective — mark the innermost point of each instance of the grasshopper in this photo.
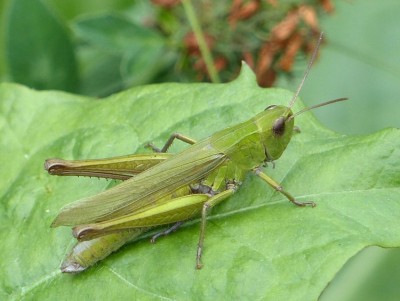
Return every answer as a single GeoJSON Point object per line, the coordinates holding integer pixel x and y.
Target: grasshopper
{"type": "Point", "coordinates": [188, 184]}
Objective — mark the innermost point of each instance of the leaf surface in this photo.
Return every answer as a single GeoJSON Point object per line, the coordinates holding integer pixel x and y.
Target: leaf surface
{"type": "Point", "coordinates": [258, 245]}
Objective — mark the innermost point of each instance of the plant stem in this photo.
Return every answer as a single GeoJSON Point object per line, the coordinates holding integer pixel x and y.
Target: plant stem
{"type": "Point", "coordinates": [198, 33]}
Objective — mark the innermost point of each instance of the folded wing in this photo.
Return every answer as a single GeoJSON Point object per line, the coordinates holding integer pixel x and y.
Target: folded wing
{"type": "Point", "coordinates": [145, 189]}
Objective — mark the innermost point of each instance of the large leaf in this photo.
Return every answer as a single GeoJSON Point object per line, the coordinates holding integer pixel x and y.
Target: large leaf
{"type": "Point", "coordinates": [258, 245]}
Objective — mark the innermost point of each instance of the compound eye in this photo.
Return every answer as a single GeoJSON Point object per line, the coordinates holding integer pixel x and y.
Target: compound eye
{"type": "Point", "coordinates": [270, 107]}
{"type": "Point", "coordinates": [279, 126]}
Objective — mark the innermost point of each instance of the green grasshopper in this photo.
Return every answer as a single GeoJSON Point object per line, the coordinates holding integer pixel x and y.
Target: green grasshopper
{"type": "Point", "coordinates": [187, 185]}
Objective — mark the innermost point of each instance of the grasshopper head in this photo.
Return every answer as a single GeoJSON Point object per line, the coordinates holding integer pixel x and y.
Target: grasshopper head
{"type": "Point", "coordinates": [276, 127]}
{"type": "Point", "coordinates": [282, 115]}
{"type": "Point", "coordinates": [276, 124]}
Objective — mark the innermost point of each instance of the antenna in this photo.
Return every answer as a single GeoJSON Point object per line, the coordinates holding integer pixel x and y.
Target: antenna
{"type": "Point", "coordinates": [317, 106]}
{"type": "Point", "coordinates": [314, 55]}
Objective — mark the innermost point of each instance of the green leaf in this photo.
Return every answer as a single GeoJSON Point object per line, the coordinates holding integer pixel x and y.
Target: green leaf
{"type": "Point", "coordinates": [39, 51]}
{"type": "Point", "coordinates": [118, 53]}
{"type": "Point", "coordinates": [258, 245]}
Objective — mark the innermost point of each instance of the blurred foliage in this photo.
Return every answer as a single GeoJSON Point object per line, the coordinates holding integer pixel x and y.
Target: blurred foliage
{"type": "Point", "coordinates": [104, 46]}
{"type": "Point", "coordinates": [38, 49]}
{"type": "Point", "coordinates": [118, 44]}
